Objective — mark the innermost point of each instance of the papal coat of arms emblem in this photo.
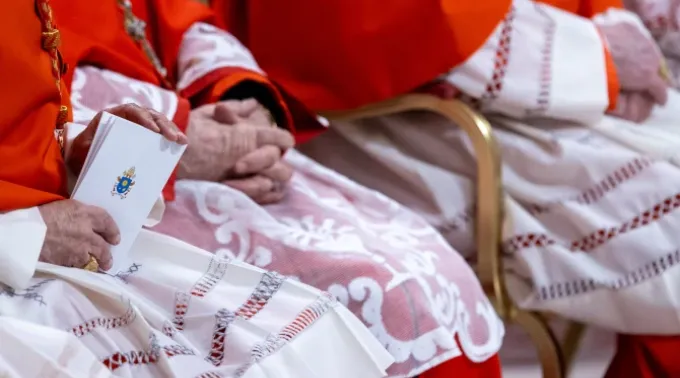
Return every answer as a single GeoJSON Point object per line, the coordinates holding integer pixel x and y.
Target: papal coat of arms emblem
{"type": "Point", "coordinates": [124, 184]}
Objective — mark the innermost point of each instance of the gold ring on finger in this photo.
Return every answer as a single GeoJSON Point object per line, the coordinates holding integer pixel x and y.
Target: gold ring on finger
{"type": "Point", "coordinates": [92, 265]}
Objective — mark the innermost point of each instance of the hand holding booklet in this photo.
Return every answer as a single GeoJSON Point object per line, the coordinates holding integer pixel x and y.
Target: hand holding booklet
{"type": "Point", "coordinates": [124, 173]}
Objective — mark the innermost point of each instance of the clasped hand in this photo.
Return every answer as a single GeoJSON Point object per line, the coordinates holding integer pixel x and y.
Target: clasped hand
{"type": "Point", "coordinates": [638, 62]}
{"type": "Point", "coordinates": [234, 142]}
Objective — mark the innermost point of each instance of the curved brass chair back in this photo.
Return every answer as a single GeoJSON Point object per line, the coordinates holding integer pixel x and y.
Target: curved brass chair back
{"type": "Point", "coordinates": [489, 196]}
{"type": "Point", "coordinates": [553, 356]}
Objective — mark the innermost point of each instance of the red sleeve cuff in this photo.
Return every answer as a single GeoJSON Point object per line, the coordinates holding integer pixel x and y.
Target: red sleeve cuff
{"type": "Point", "coordinates": [212, 87]}
{"type": "Point", "coordinates": [612, 76]}
{"type": "Point", "coordinates": [181, 119]}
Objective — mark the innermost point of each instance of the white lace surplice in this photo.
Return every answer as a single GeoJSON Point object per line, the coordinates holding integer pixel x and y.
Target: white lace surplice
{"type": "Point", "coordinates": [181, 312]}
{"type": "Point", "coordinates": [388, 266]}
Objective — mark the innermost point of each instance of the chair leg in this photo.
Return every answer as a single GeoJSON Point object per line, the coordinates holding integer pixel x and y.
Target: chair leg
{"type": "Point", "coordinates": [547, 345]}
{"type": "Point", "coordinates": [571, 342]}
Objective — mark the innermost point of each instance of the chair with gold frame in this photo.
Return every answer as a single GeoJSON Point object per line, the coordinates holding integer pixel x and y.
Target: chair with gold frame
{"type": "Point", "coordinates": [555, 356]}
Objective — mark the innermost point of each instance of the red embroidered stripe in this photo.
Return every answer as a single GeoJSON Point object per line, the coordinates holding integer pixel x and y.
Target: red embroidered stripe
{"type": "Point", "coordinates": [119, 359]}
{"type": "Point", "coordinates": [215, 273]}
{"type": "Point", "coordinates": [494, 87]}
{"type": "Point", "coordinates": [275, 342]}
{"type": "Point", "coordinates": [599, 237]}
{"type": "Point", "coordinates": [581, 286]}
{"type": "Point", "coordinates": [207, 282]}
{"type": "Point", "coordinates": [181, 307]}
{"type": "Point", "coordinates": [269, 284]}
{"type": "Point", "coordinates": [106, 323]}
{"type": "Point", "coordinates": [169, 330]}
{"type": "Point", "coordinates": [606, 185]}
{"type": "Point", "coordinates": [223, 319]}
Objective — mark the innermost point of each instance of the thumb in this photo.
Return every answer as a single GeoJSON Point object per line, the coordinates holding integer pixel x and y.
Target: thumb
{"type": "Point", "coordinates": [658, 89]}
{"type": "Point", "coordinates": [81, 145]}
{"type": "Point", "coordinates": [224, 114]}
{"type": "Point", "coordinates": [91, 129]}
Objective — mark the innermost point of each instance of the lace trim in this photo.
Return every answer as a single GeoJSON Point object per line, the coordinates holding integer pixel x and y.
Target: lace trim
{"type": "Point", "coordinates": [269, 284]}
{"type": "Point", "coordinates": [89, 326]}
{"type": "Point", "coordinates": [223, 319]}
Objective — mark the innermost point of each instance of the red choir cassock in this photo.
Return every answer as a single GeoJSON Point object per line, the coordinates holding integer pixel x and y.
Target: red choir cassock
{"type": "Point", "coordinates": [347, 54]}
{"type": "Point", "coordinates": [35, 104]}
{"type": "Point", "coordinates": [97, 36]}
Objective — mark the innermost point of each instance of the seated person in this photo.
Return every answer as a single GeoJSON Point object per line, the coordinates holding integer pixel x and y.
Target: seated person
{"type": "Point", "coordinates": [388, 266]}
{"type": "Point", "coordinates": [662, 19]}
{"type": "Point", "coordinates": [591, 214]}
{"type": "Point", "coordinates": [181, 312]}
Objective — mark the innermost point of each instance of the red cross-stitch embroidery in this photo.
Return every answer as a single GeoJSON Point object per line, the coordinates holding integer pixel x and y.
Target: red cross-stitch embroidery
{"type": "Point", "coordinates": [597, 192]}
{"type": "Point", "coordinates": [119, 359]}
{"type": "Point", "coordinates": [269, 284]}
{"type": "Point", "coordinates": [275, 342]}
{"type": "Point", "coordinates": [223, 319]}
{"type": "Point", "coordinates": [104, 323]}
{"type": "Point", "coordinates": [599, 237]}
{"type": "Point", "coordinates": [494, 87]}
{"type": "Point", "coordinates": [266, 288]}
{"type": "Point", "coordinates": [207, 282]}
{"type": "Point", "coordinates": [216, 271]}
{"type": "Point", "coordinates": [575, 287]}
{"type": "Point", "coordinates": [169, 330]}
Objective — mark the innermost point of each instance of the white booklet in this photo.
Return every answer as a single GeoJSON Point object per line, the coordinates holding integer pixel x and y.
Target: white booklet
{"type": "Point", "coordinates": [124, 173]}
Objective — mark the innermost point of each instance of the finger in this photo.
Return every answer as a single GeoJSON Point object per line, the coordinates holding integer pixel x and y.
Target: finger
{"type": "Point", "coordinates": [224, 113]}
{"type": "Point", "coordinates": [168, 129]}
{"type": "Point", "coordinates": [253, 187]}
{"type": "Point", "coordinates": [92, 126]}
{"type": "Point", "coordinates": [658, 89]}
{"type": "Point", "coordinates": [80, 258]}
{"type": "Point", "coordinates": [275, 136]}
{"type": "Point", "coordinates": [280, 172]}
{"type": "Point", "coordinates": [258, 160]}
{"type": "Point", "coordinates": [270, 197]}
{"type": "Point", "coordinates": [262, 117]}
{"type": "Point", "coordinates": [643, 107]}
{"type": "Point", "coordinates": [135, 113]}
{"type": "Point", "coordinates": [247, 107]}
{"type": "Point", "coordinates": [101, 251]}
{"type": "Point", "coordinates": [103, 225]}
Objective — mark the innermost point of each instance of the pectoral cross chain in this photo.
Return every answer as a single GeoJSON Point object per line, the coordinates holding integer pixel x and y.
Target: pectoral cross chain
{"type": "Point", "coordinates": [136, 29]}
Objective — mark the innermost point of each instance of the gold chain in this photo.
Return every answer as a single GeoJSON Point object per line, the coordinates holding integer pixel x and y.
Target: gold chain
{"type": "Point", "coordinates": [136, 29]}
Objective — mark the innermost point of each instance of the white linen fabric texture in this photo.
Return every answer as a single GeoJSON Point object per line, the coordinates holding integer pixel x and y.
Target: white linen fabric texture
{"type": "Point", "coordinates": [591, 202]}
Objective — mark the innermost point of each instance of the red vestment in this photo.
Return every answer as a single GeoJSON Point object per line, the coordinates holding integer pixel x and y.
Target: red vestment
{"type": "Point", "coordinates": [97, 36]}
{"type": "Point", "coordinates": [33, 171]}
{"type": "Point", "coordinates": [585, 8]}
{"type": "Point", "coordinates": [347, 54]}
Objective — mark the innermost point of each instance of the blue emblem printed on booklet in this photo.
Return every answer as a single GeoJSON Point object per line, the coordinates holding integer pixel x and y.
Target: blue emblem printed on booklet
{"type": "Point", "coordinates": [124, 184]}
